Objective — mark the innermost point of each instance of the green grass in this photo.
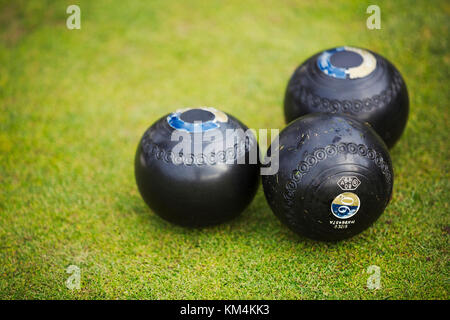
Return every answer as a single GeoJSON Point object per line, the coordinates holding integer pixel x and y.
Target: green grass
{"type": "Point", "coordinates": [73, 105]}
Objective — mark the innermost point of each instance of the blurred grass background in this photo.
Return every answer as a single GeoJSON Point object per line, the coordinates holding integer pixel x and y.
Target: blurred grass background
{"type": "Point", "coordinates": [74, 103]}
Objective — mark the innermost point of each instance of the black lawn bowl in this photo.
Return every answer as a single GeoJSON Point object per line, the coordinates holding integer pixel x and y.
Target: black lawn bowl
{"type": "Point", "coordinates": [335, 177]}
{"type": "Point", "coordinates": [353, 81]}
{"type": "Point", "coordinates": [209, 180]}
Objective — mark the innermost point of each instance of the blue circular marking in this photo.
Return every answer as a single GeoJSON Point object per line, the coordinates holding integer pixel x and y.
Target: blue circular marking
{"type": "Point", "coordinates": [324, 64]}
{"type": "Point", "coordinates": [177, 123]}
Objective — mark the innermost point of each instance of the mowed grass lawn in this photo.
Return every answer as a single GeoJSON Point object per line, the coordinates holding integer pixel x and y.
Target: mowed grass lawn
{"type": "Point", "coordinates": [74, 104]}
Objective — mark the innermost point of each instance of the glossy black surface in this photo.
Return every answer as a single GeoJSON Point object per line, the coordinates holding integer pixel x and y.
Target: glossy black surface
{"type": "Point", "coordinates": [198, 188]}
{"type": "Point", "coordinates": [381, 98]}
{"type": "Point", "coordinates": [315, 153]}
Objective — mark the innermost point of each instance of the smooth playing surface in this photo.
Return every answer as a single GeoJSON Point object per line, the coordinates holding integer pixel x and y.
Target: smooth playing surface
{"type": "Point", "coordinates": [74, 104]}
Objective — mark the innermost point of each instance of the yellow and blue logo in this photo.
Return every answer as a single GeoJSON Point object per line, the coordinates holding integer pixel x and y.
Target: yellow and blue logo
{"type": "Point", "coordinates": [345, 205]}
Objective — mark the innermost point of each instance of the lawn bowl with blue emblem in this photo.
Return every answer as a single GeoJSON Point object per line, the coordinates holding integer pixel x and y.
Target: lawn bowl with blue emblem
{"type": "Point", "coordinates": [197, 167]}
{"type": "Point", "coordinates": [352, 81]}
